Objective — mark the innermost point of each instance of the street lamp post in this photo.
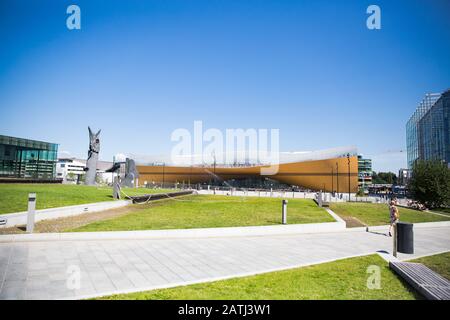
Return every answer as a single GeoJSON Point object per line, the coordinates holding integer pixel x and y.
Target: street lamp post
{"type": "Point", "coordinates": [337, 178]}
{"type": "Point", "coordinates": [332, 180]}
{"type": "Point", "coordinates": [363, 181]}
{"type": "Point", "coordinates": [190, 174]}
{"type": "Point", "coordinates": [348, 163]}
{"type": "Point", "coordinates": [214, 169]}
{"type": "Point", "coordinates": [164, 164]}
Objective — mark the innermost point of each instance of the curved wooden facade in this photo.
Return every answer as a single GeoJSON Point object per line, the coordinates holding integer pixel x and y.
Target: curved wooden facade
{"type": "Point", "coordinates": [328, 175]}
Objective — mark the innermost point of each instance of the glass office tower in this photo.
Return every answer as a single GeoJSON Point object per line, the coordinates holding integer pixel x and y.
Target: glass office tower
{"type": "Point", "coordinates": [29, 159]}
{"type": "Point", "coordinates": [427, 131]}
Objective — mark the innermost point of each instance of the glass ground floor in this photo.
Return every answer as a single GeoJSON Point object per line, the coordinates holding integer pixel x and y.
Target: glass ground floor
{"type": "Point", "coordinates": [29, 159]}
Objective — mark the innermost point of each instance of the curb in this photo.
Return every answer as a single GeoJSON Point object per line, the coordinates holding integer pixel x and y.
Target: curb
{"type": "Point", "coordinates": [198, 233]}
{"type": "Point", "coordinates": [437, 224]}
{"type": "Point", "coordinates": [179, 233]}
{"type": "Point", "coordinates": [20, 218]}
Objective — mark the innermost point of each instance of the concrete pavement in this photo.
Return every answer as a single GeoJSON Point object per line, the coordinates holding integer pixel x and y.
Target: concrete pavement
{"type": "Point", "coordinates": [49, 269]}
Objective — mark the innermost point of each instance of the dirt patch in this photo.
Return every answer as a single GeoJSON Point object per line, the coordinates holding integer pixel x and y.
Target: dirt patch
{"type": "Point", "coordinates": [352, 222]}
{"type": "Point", "coordinates": [62, 224]}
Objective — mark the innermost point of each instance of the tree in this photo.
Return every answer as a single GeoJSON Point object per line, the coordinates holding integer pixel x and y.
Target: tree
{"type": "Point", "coordinates": [99, 179]}
{"type": "Point", "coordinates": [384, 178]}
{"type": "Point", "coordinates": [389, 177]}
{"type": "Point", "coordinates": [81, 178]}
{"type": "Point", "coordinates": [430, 183]}
{"type": "Point", "coordinates": [360, 192]}
{"type": "Point", "coordinates": [70, 176]}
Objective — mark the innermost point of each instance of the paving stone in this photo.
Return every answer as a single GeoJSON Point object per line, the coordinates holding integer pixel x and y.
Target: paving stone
{"type": "Point", "coordinates": [40, 269]}
{"type": "Point", "coordinates": [13, 293]}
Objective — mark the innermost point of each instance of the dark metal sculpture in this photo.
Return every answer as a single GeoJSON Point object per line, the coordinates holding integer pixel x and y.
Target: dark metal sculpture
{"type": "Point", "coordinates": [131, 174]}
{"type": "Point", "coordinates": [91, 163]}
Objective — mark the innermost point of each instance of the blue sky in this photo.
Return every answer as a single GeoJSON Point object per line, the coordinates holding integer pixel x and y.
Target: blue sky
{"type": "Point", "coordinates": [141, 69]}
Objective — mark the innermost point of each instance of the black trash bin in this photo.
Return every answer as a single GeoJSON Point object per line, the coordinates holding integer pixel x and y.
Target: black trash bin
{"type": "Point", "coordinates": [405, 237]}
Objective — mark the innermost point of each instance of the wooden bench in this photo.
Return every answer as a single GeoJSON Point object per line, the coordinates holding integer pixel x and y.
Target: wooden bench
{"type": "Point", "coordinates": [427, 282]}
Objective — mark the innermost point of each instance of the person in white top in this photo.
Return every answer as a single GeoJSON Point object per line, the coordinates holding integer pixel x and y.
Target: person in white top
{"type": "Point", "coordinates": [393, 215]}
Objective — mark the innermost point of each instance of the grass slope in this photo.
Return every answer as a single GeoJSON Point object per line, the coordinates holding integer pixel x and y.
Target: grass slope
{"type": "Point", "coordinates": [439, 263]}
{"type": "Point", "coordinates": [374, 214]}
{"type": "Point", "coordinates": [14, 197]}
{"type": "Point", "coordinates": [338, 280]}
{"type": "Point", "coordinates": [201, 211]}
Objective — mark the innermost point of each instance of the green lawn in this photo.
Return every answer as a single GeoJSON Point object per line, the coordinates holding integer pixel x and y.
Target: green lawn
{"type": "Point", "coordinates": [201, 211]}
{"type": "Point", "coordinates": [439, 263]}
{"type": "Point", "coordinates": [445, 211]}
{"type": "Point", "coordinates": [339, 280]}
{"type": "Point", "coordinates": [373, 214]}
{"type": "Point", "coordinates": [14, 197]}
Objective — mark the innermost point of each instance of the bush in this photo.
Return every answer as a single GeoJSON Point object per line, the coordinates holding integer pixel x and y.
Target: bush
{"type": "Point", "coordinates": [360, 193]}
{"type": "Point", "coordinates": [384, 178]}
{"type": "Point", "coordinates": [430, 183]}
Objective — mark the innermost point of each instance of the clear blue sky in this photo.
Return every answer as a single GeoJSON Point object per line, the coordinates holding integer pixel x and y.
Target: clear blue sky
{"type": "Point", "coordinates": [141, 69]}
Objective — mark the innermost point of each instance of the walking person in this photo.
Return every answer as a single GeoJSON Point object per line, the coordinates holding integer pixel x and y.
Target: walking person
{"type": "Point", "coordinates": [393, 215]}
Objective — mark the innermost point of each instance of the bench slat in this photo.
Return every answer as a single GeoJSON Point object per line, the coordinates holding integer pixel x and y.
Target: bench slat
{"type": "Point", "coordinates": [423, 279]}
{"type": "Point", "coordinates": [423, 275]}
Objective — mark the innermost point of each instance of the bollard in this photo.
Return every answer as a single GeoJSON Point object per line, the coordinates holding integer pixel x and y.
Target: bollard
{"type": "Point", "coordinates": [319, 198]}
{"type": "Point", "coordinates": [394, 240]}
{"type": "Point", "coordinates": [116, 188]}
{"type": "Point", "coordinates": [284, 211]}
{"type": "Point", "coordinates": [31, 212]}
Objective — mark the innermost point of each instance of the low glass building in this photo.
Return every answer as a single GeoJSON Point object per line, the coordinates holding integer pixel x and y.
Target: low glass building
{"type": "Point", "coordinates": [27, 159]}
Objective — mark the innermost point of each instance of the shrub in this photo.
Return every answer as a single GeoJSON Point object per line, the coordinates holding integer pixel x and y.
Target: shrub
{"type": "Point", "coordinates": [430, 183]}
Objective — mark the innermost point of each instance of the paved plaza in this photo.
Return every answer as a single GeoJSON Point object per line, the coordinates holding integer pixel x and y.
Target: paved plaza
{"type": "Point", "coordinates": [44, 269]}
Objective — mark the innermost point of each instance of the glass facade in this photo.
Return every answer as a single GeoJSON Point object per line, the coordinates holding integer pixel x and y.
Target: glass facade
{"type": "Point", "coordinates": [23, 158]}
{"type": "Point", "coordinates": [364, 173]}
{"type": "Point", "coordinates": [427, 131]}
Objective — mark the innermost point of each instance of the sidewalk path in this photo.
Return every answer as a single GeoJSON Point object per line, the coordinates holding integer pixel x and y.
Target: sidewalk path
{"type": "Point", "coordinates": [40, 270]}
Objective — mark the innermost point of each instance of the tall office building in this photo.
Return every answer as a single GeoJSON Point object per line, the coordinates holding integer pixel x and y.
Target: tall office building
{"type": "Point", "coordinates": [427, 131]}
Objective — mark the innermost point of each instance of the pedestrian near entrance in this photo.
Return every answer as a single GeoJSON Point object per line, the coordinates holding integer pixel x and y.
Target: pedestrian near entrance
{"type": "Point", "coordinates": [393, 215]}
